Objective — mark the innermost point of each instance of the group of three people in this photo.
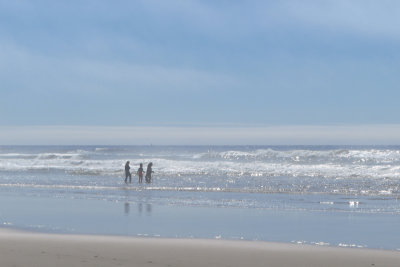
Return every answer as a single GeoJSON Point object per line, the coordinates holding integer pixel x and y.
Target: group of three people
{"type": "Point", "coordinates": [139, 172]}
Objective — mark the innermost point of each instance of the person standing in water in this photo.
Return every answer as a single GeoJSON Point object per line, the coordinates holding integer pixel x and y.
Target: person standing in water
{"type": "Point", "coordinates": [140, 173]}
{"type": "Point", "coordinates": [148, 172]}
{"type": "Point", "coordinates": [127, 173]}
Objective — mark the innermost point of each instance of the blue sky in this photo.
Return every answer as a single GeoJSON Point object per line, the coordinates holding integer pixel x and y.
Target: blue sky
{"type": "Point", "coordinates": [199, 63]}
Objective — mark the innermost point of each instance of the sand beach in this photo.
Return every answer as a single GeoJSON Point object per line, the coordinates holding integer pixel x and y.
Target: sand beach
{"type": "Point", "coordinates": [19, 248]}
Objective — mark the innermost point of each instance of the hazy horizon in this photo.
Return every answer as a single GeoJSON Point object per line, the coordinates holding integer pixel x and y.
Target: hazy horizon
{"type": "Point", "coordinates": [195, 135]}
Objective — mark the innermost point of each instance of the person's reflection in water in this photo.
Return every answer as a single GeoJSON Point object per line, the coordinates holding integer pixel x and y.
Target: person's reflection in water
{"type": "Point", "coordinates": [144, 203]}
{"type": "Point", "coordinates": [149, 208]}
{"type": "Point", "coordinates": [140, 208]}
{"type": "Point", "coordinates": [127, 208]}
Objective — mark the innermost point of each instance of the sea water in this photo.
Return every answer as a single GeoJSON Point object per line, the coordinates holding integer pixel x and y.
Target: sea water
{"type": "Point", "coordinates": [322, 195]}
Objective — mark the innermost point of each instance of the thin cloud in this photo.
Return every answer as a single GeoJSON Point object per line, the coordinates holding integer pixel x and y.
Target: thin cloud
{"type": "Point", "coordinates": [269, 62]}
{"type": "Point", "coordinates": [30, 70]}
{"type": "Point", "coordinates": [363, 17]}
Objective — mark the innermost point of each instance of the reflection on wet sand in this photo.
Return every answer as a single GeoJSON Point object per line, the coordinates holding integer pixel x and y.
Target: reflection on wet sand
{"type": "Point", "coordinates": [127, 208]}
{"type": "Point", "coordinates": [143, 204]}
{"type": "Point", "coordinates": [147, 206]}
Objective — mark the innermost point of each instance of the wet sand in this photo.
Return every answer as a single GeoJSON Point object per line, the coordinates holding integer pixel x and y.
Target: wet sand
{"type": "Point", "coordinates": [18, 248]}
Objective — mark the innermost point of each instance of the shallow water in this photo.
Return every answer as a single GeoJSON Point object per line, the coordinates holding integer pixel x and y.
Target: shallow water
{"type": "Point", "coordinates": [338, 196]}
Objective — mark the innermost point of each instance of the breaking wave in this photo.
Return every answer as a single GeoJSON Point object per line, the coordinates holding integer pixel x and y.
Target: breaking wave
{"type": "Point", "coordinates": [253, 169]}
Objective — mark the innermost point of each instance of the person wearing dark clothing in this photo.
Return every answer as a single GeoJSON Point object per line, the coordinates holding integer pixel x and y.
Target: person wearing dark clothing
{"type": "Point", "coordinates": [148, 172]}
{"type": "Point", "coordinates": [127, 173]}
{"type": "Point", "coordinates": [140, 173]}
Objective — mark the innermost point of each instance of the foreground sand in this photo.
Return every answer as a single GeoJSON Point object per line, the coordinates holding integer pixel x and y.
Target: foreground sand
{"type": "Point", "coordinates": [32, 249]}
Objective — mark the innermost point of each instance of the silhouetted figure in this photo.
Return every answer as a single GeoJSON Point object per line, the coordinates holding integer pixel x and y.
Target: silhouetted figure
{"type": "Point", "coordinates": [127, 173]}
{"type": "Point", "coordinates": [140, 173]}
{"type": "Point", "coordinates": [148, 172]}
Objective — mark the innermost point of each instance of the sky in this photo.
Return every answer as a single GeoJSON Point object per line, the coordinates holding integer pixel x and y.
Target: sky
{"type": "Point", "coordinates": [264, 72]}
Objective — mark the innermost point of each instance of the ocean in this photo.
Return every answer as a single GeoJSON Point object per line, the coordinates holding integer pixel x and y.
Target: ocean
{"type": "Point", "coordinates": [345, 196]}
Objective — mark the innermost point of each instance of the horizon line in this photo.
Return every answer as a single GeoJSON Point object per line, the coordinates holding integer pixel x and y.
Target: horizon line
{"type": "Point", "coordinates": [361, 134]}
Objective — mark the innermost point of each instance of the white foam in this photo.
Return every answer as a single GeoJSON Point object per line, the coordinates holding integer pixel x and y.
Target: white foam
{"type": "Point", "coordinates": [351, 245]}
{"type": "Point", "coordinates": [321, 243]}
{"type": "Point", "coordinates": [336, 171]}
{"type": "Point", "coordinates": [354, 204]}
{"type": "Point", "coordinates": [326, 202]}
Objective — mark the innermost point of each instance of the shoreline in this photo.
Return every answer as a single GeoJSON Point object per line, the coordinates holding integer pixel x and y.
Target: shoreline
{"type": "Point", "coordinates": [21, 248]}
